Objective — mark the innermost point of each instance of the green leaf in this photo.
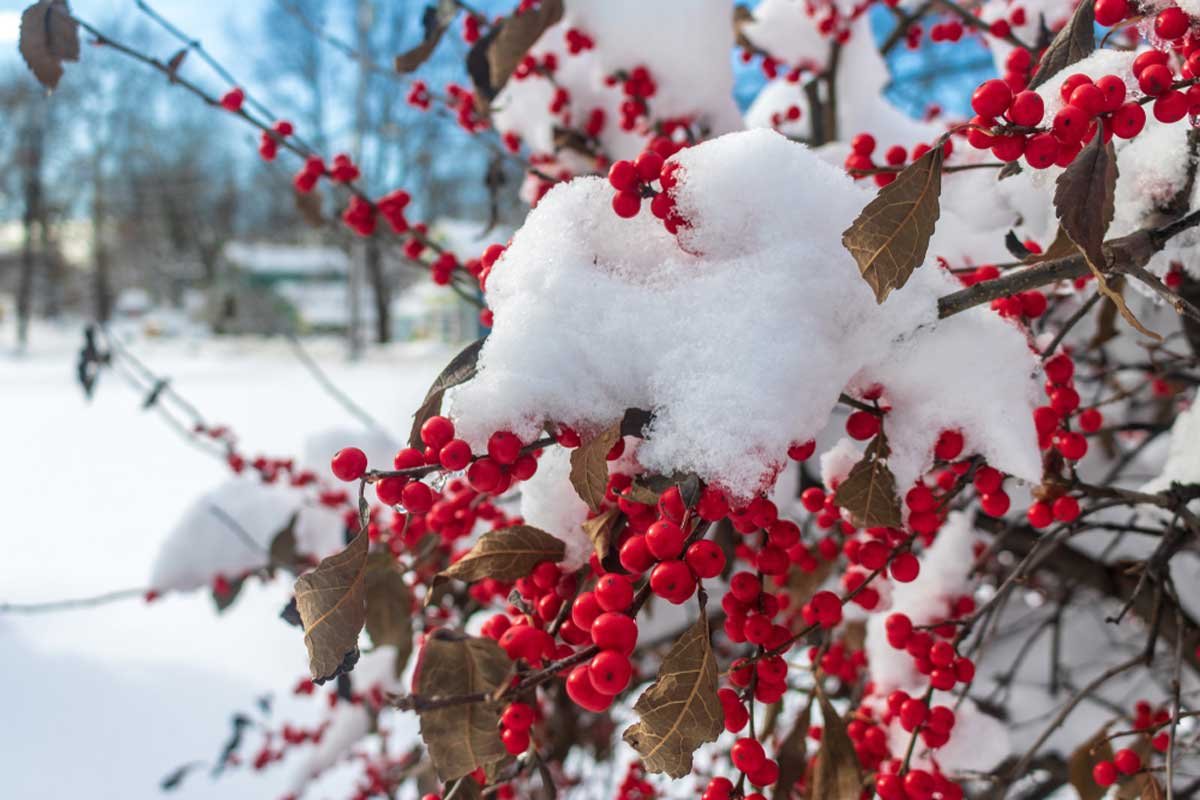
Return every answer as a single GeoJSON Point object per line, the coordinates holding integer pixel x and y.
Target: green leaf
{"type": "Point", "coordinates": [891, 235]}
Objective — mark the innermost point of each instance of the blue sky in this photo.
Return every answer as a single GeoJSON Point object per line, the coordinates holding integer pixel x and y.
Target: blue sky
{"type": "Point", "coordinates": [219, 24]}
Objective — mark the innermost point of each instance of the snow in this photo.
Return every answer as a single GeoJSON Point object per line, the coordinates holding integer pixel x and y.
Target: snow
{"type": "Point", "coordinates": [549, 502]}
{"type": "Point", "coordinates": [129, 691]}
{"type": "Point", "coordinates": [1183, 455]}
{"type": "Point", "coordinates": [595, 314]}
{"type": "Point", "coordinates": [683, 43]}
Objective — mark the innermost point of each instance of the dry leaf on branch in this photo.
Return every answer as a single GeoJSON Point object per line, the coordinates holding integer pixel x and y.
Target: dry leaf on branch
{"type": "Point", "coordinates": [1073, 43]}
{"type": "Point", "coordinates": [506, 554]}
{"type": "Point", "coordinates": [49, 36]}
{"type": "Point", "coordinates": [435, 20]}
{"type": "Point", "coordinates": [332, 601]}
{"type": "Point", "coordinates": [589, 467]}
{"type": "Point", "coordinates": [1081, 762]}
{"type": "Point", "coordinates": [463, 737]}
{"type": "Point", "coordinates": [890, 237]}
{"type": "Point", "coordinates": [836, 774]}
{"type": "Point", "coordinates": [680, 711]}
{"type": "Point", "coordinates": [869, 491]}
{"type": "Point", "coordinates": [460, 370]}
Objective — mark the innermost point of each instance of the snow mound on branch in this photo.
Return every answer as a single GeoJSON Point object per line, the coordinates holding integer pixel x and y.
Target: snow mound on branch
{"type": "Point", "coordinates": [740, 335]}
{"type": "Point", "coordinates": [227, 531]}
{"type": "Point", "coordinates": [1183, 455]}
{"type": "Point", "coordinates": [684, 44]}
{"type": "Point", "coordinates": [548, 502]}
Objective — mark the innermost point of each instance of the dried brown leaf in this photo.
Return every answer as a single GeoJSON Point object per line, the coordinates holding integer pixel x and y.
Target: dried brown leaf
{"type": "Point", "coordinates": [1074, 42]}
{"type": "Point", "coordinates": [869, 491]}
{"type": "Point", "coordinates": [891, 235]}
{"type": "Point", "coordinates": [1081, 762]}
{"type": "Point", "coordinates": [332, 601]}
{"type": "Point", "coordinates": [680, 711]}
{"type": "Point", "coordinates": [600, 530]}
{"type": "Point", "coordinates": [589, 466]}
{"type": "Point", "coordinates": [792, 756]}
{"type": "Point", "coordinates": [836, 774]}
{"type": "Point", "coordinates": [1084, 201]}
{"type": "Point", "coordinates": [1061, 247]}
{"type": "Point", "coordinates": [463, 737]}
{"type": "Point", "coordinates": [434, 21]}
{"type": "Point", "coordinates": [460, 370]}
{"type": "Point", "coordinates": [49, 36]}
{"type": "Point", "coordinates": [514, 36]}
{"type": "Point", "coordinates": [309, 206]}
{"type": "Point", "coordinates": [389, 608]}
{"type": "Point", "coordinates": [506, 555]}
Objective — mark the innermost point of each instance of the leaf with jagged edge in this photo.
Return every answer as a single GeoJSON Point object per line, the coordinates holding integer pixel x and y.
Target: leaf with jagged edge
{"type": "Point", "coordinates": [680, 711]}
{"type": "Point", "coordinates": [1081, 762]}
{"type": "Point", "coordinates": [869, 491]}
{"type": "Point", "coordinates": [511, 39]}
{"type": "Point", "coordinates": [461, 738]}
{"type": "Point", "coordinates": [1073, 43]}
{"type": "Point", "coordinates": [332, 601]}
{"type": "Point", "coordinates": [890, 237]}
{"type": "Point", "coordinates": [836, 773]}
{"type": "Point", "coordinates": [506, 554]}
{"type": "Point", "coordinates": [589, 466]}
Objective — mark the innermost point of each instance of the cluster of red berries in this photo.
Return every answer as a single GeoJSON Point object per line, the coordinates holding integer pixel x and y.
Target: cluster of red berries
{"type": "Point", "coordinates": [419, 96]}
{"type": "Point", "coordinates": [932, 654]}
{"type": "Point", "coordinates": [578, 41]}
{"type": "Point", "coordinates": [915, 784]}
{"type": "Point", "coordinates": [461, 101]}
{"type": "Point", "coordinates": [860, 164]}
{"type": "Point", "coordinates": [470, 31]}
{"type": "Point", "coordinates": [515, 722]}
{"type": "Point", "coordinates": [632, 181]}
{"type": "Point", "coordinates": [268, 145]}
{"type": "Point", "coordinates": [634, 785]}
{"type": "Point", "coordinates": [790, 114]}
{"type": "Point", "coordinates": [1051, 419]}
{"type": "Point", "coordinates": [1124, 762]}
{"type": "Point", "coordinates": [1088, 106]}
{"type": "Point", "coordinates": [949, 31]}
{"type": "Point", "coordinates": [638, 87]}
{"type": "Point", "coordinates": [233, 100]}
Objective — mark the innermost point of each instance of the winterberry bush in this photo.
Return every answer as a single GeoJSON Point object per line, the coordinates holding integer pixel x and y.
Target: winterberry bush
{"type": "Point", "coordinates": [814, 451]}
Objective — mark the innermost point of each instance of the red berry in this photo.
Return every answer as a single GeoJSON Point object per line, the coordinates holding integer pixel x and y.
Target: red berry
{"type": "Point", "coordinates": [1040, 514]}
{"type": "Point", "coordinates": [455, 455]}
{"type": "Point", "coordinates": [1127, 761]}
{"type": "Point", "coordinates": [673, 581]}
{"type": "Point", "coordinates": [390, 491]}
{"type": "Point", "coordinates": [649, 166]}
{"type": "Point", "coordinates": [610, 672]}
{"type": "Point", "coordinates": [349, 464]}
{"type": "Point", "coordinates": [747, 755]}
{"type": "Point", "coordinates": [992, 98]}
{"type": "Point", "coordinates": [1041, 150]}
{"type": "Point", "coordinates": [705, 558]}
{"type": "Point", "coordinates": [905, 568]}
{"type": "Point", "coordinates": [863, 144]}
{"type": "Point", "coordinates": [1170, 24]}
{"type": "Point", "coordinates": [614, 592]}
{"type": "Point", "coordinates": [233, 99]}
{"type": "Point", "coordinates": [613, 631]}
{"type": "Point", "coordinates": [665, 540]}
{"type": "Point", "coordinates": [1026, 109]}
{"type": "Point", "coordinates": [949, 446]}
{"type": "Point", "coordinates": [802, 452]}
{"type": "Point", "coordinates": [515, 741]}
{"type": "Point", "coordinates": [1066, 509]}
{"type": "Point", "coordinates": [437, 432]}
{"type": "Point", "coordinates": [626, 204]}
{"type": "Point", "coordinates": [581, 690]}
{"type": "Point", "coordinates": [1155, 79]}
{"type": "Point", "coordinates": [623, 176]}
{"type": "Point", "coordinates": [517, 717]}
{"type": "Point", "coordinates": [862, 425]}
{"type": "Point", "coordinates": [504, 447]}
{"type": "Point", "coordinates": [1090, 420]}
{"type": "Point", "coordinates": [484, 475]}
{"type": "Point", "coordinates": [1060, 369]}
{"type": "Point", "coordinates": [995, 504]}
{"type": "Point", "coordinates": [1171, 107]}
{"type": "Point", "coordinates": [1104, 773]}
{"type": "Point", "coordinates": [1070, 124]}
{"type": "Point", "coordinates": [1110, 12]}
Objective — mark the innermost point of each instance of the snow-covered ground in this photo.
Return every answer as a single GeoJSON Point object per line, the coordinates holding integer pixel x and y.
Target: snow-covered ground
{"type": "Point", "coordinates": [104, 702]}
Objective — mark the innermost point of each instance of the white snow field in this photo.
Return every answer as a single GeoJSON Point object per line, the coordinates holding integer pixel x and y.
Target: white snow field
{"type": "Point", "coordinates": [104, 702]}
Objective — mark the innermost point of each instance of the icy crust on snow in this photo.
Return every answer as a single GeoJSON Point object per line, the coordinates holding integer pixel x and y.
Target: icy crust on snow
{"type": "Point", "coordinates": [685, 45]}
{"type": "Point", "coordinates": [740, 336]}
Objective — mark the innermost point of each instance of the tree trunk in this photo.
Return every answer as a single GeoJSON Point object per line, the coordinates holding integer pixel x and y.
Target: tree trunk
{"type": "Point", "coordinates": [31, 169]}
{"type": "Point", "coordinates": [101, 259]}
{"type": "Point", "coordinates": [379, 288]}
